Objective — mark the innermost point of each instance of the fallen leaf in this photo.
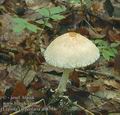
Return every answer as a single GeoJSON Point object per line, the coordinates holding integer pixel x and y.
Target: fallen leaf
{"type": "Point", "coordinates": [76, 94]}
{"type": "Point", "coordinates": [82, 80]}
{"type": "Point", "coordinates": [54, 111]}
{"type": "Point", "coordinates": [113, 35]}
{"type": "Point", "coordinates": [1, 94]}
{"type": "Point", "coordinates": [49, 68]}
{"type": "Point", "coordinates": [19, 90]}
{"type": "Point", "coordinates": [112, 83]}
{"type": "Point", "coordinates": [84, 31]}
{"type": "Point", "coordinates": [38, 95]}
{"type": "Point", "coordinates": [29, 77]}
{"type": "Point", "coordinates": [38, 85]}
{"type": "Point", "coordinates": [96, 86]}
{"type": "Point", "coordinates": [97, 7]}
{"type": "Point", "coordinates": [36, 4]}
{"type": "Point", "coordinates": [10, 81]}
{"type": "Point", "coordinates": [74, 77]}
{"type": "Point", "coordinates": [3, 74]}
{"type": "Point", "coordinates": [108, 94]}
{"type": "Point", "coordinates": [110, 106]}
{"type": "Point", "coordinates": [93, 87]}
{"type": "Point", "coordinates": [94, 34]}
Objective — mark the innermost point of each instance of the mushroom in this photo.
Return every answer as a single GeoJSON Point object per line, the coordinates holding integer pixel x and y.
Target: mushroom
{"type": "Point", "coordinates": [69, 51]}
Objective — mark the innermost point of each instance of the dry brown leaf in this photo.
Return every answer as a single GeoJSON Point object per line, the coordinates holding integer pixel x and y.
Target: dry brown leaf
{"type": "Point", "coordinates": [38, 85]}
{"type": "Point", "coordinates": [109, 94]}
{"type": "Point", "coordinates": [37, 94]}
{"type": "Point", "coordinates": [3, 74]}
{"type": "Point", "coordinates": [93, 87]}
{"type": "Point", "coordinates": [29, 77]}
{"type": "Point", "coordinates": [96, 86]}
{"type": "Point", "coordinates": [94, 34]}
{"type": "Point", "coordinates": [84, 31]}
{"type": "Point", "coordinates": [10, 81]}
{"type": "Point", "coordinates": [19, 90]}
{"type": "Point", "coordinates": [112, 83]}
{"type": "Point", "coordinates": [111, 106]}
{"type": "Point", "coordinates": [97, 7]}
{"type": "Point", "coordinates": [48, 68]}
{"type": "Point", "coordinates": [113, 35]}
{"type": "Point", "coordinates": [1, 94]}
{"type": "Point", "coordinates": [74, 77]}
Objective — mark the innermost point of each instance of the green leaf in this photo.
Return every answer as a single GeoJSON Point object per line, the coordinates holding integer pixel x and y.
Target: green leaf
{"type": "Point", "coordinates": [44, 12]}
{"type": "Point", "coordinates": [88, 3]}
{"type": "Point", "coordinates": [49, 25]}
{"type": "Point", "coordinates": [46, 23]}
{"type": "Point", "coordinates": [32, 27]}
{"type": "Point", "coordinates": [115, 44]}
{"type": "Point", "coordinates": [57, 10]}
{"type": "Point", "coordinates": [110, 52]}
{"type": "Point", "coordinates": [19, 21]}
{"type": "Point", "coordinates": [57, 17]}
{"type": "Point", "coordinates": [99, 41]}
{"type": "Point", "coordinates": [20, 24]}
{"type": "Point", "coordinates": [18, 28]}
{"type": "Point", "coordinates": [107, 50]}
{"type": "Point", "coordinates": [40, 21]}
{"type": "Point", "coordinates": [51, 13]}
{"type": "Point", "coordinates": [48, 12]}
{"type": "Point", "coordinates": [114, 50]}
{"type": "Point", "coordinates": [102, 47]}
{"type": "Point", "coordinates": [106, 55]}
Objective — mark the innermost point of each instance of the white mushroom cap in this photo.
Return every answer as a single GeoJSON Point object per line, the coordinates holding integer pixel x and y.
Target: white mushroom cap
{"type": "Point", "coordinates": [71, 50]}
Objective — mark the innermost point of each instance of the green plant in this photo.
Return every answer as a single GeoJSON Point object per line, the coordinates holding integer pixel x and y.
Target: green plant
{"type": "Point", "coordinates": [74, 1]}
{"type": "Point", "coordinates": [107, 50]}
{"type": "Point", "coordinates": [20, 24]}
{"type": "Point", "coordinates": [53, 13]}
{"type": "Point", "coordinates": [82, 2]}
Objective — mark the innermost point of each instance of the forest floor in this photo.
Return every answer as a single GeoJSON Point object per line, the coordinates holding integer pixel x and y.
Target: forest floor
{"type": "Point", "coordinates": [28, 83]}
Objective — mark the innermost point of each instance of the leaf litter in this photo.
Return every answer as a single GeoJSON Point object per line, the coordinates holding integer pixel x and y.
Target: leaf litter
{"type": "Point", "coordinates": [24, 73]}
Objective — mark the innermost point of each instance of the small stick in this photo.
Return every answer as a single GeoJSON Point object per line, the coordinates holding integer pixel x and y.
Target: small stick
{"type": "Point", "coordinates": [14, 113]}
{"type": "Point", "coordinates": [82, 108]}
{"type": "Point", "coordinates": [79, 106]}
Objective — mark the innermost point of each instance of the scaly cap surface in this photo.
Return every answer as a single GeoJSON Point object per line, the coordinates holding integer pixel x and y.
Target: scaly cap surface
{"type": "Point", "coordinates": [71, 50]}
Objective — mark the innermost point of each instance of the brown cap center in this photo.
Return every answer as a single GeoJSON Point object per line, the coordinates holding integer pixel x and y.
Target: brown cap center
{"type": "Point", "coordinates": [72, 34]}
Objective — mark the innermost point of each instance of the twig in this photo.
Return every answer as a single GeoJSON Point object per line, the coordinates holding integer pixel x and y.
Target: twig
{"type": "Point", "coordinates": [99, 73]}
{"type": "Point", "coordinates": [79, 106]}
{"type": "Point", "coordinates": [71, 103]}
{"type": "Point", "coordinates": [14, 113]}
{"type": "Point", "coordinates": [90, 25]}
{"type": "Point", "coordinates": [84, 109]}
{"type": "Point", "coordinates": [114, 19]}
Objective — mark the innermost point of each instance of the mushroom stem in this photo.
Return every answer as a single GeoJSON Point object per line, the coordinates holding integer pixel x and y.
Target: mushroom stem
{"type": "Point", "coordinates": [63, 82]}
